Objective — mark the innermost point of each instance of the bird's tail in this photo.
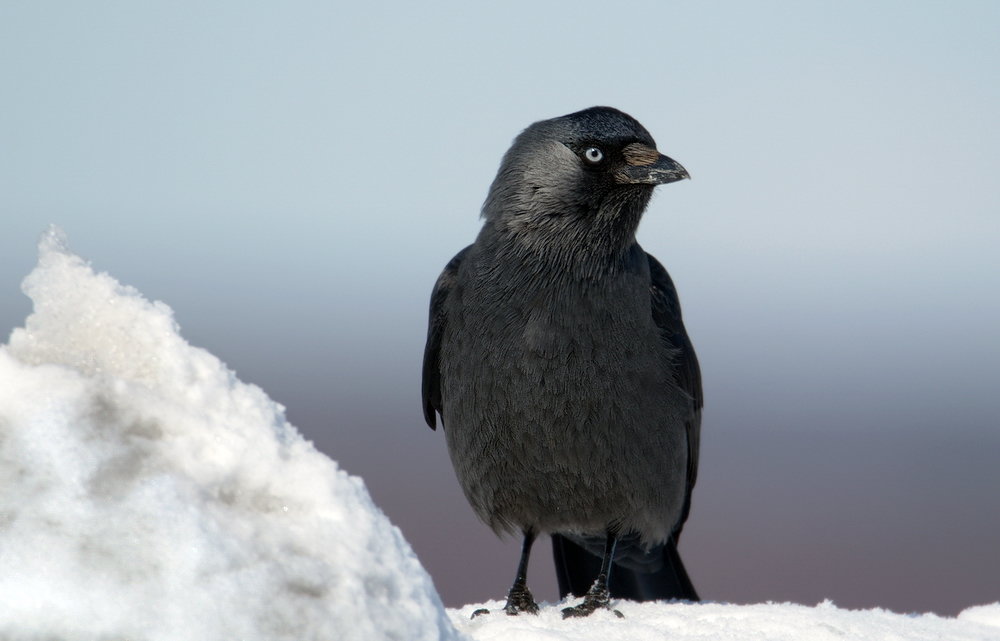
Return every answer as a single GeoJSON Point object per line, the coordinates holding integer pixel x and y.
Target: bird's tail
{"type": "Point", "coordinates": [576, 569]}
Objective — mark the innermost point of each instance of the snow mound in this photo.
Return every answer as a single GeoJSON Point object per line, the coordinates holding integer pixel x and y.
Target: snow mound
{"type": "Point", "coordinates": [150, 495]}
{"type": "Point", "coordinates": [983, 614]}
{"type": "Point", "coordinates": [722, 622]}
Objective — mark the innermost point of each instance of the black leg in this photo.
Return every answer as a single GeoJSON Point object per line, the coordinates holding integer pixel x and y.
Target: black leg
{"type": "Point", "coordinates": [598, 596]}
{"type": "Point", "coordinates": [519, 599]}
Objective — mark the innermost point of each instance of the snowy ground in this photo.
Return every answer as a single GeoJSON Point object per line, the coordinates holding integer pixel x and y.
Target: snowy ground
{"type": "Point", "coordinates": [148, 494]}
{"type": "Point", "coordinates": [722, 622]}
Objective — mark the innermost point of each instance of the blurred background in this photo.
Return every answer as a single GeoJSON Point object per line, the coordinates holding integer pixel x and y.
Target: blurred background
{"type": "Point", "coordinates": [291, 177]}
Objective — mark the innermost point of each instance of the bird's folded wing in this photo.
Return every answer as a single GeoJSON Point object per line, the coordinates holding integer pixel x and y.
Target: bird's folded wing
{"type": "Point", "coordinates": [667, 315]}
{"type": "Point", "coordinates": [431, 385]}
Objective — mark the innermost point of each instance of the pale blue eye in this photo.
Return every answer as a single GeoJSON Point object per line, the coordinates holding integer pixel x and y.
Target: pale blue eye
{"type": "Point", "coordinates": [593, 155]}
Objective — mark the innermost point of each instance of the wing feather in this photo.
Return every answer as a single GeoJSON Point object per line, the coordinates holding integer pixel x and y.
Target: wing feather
{"type": "Point", "coordinates": [667, 315]}
{"type": "Point", "coordinates": [431, 384]}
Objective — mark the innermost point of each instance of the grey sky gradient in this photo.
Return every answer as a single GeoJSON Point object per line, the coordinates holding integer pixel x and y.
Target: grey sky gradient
{"type": "Point", "coordinates": [291, 177]}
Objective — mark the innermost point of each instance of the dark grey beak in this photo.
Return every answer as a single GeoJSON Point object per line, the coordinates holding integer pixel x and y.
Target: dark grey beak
{"type": "Point", "coordinates": [646, 166]}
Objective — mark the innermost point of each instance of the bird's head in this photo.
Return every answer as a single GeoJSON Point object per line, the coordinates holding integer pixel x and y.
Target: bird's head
{"type": "Point", "coordinates": [580, 180]}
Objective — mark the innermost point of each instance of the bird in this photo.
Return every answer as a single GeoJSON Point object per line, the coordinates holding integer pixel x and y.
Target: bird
{"type": "Point", "coordinates": [556, 357]}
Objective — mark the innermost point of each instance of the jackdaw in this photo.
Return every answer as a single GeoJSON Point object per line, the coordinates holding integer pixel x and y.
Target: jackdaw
{"type": "Point", "coordinates": [568, 390]}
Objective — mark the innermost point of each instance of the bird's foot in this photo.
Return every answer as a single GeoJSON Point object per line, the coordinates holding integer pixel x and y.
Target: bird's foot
{"type": "Point", "coordinates": [597, 598]}
{"type": "Point", "coordinates": [519, 600]}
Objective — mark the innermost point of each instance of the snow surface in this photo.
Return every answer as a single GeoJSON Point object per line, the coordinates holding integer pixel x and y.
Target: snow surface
{"type": "Point", "coordinates": [148, 494]}
{"type": "Point", "coordinates": [725, 622]}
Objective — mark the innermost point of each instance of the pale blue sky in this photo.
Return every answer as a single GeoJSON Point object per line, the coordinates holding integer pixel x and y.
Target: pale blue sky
{"type": "Point", "coordinates": [290, 177]}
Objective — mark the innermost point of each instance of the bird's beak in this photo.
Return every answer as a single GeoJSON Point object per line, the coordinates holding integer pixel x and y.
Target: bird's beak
{"type": "Point", "coordinates": [646, 166]}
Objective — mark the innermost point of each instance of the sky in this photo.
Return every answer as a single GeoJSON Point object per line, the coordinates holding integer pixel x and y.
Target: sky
{"type": "Point", "coordinates": [291, 177]}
